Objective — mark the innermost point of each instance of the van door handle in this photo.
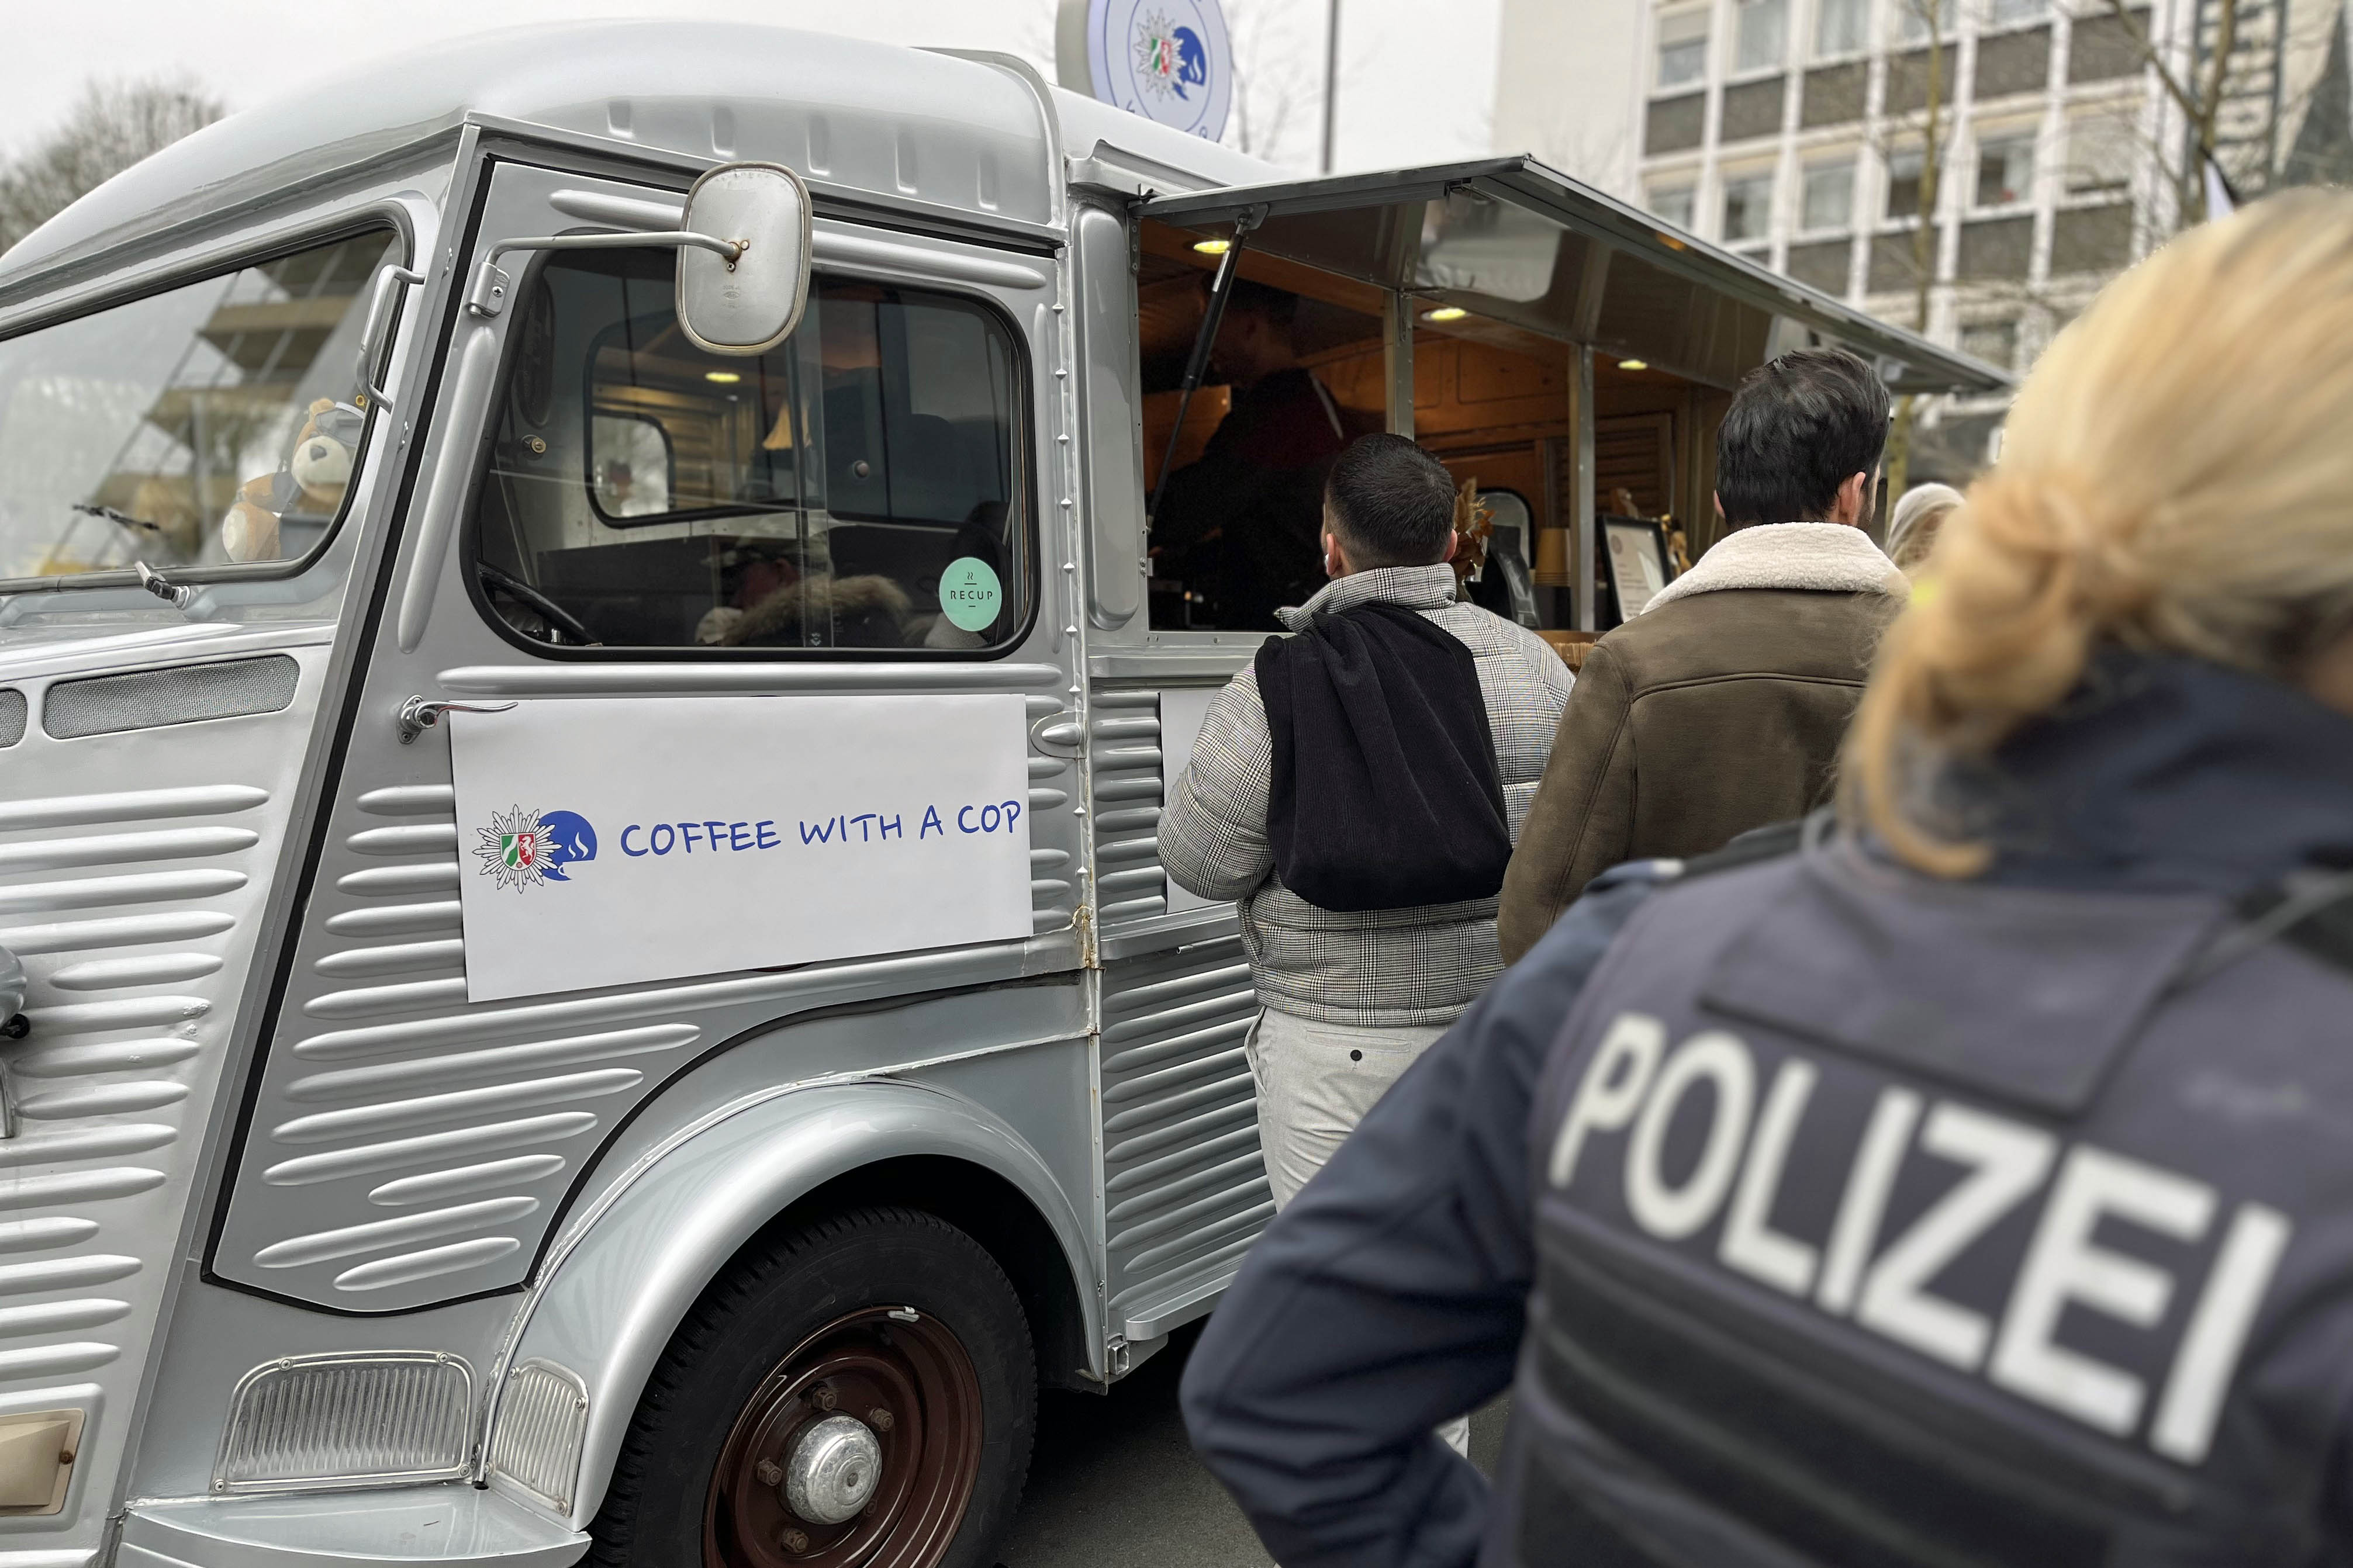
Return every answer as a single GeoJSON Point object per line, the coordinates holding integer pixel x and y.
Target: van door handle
{"type": "Point", "coordinates": [420, 714]}
{"type": "Point", "coordinates": [379, 317]}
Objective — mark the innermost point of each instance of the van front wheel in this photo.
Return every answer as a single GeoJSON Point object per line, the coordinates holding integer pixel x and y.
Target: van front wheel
{"type": "Point", "coordinates": [863, 1393]}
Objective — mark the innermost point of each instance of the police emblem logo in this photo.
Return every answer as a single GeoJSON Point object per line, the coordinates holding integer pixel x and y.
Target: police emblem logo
{"type": "Point", "coordinates": [523, 849]}
{"type": "Point", "coordinates": [1169, 58]}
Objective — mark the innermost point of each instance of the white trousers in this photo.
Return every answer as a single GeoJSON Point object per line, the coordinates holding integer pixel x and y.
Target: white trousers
{"type": "Point", "coordinates": [1315, 1082]}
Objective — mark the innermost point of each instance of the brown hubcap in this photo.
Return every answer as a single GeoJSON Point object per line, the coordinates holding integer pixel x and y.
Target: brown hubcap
{"type": "Point", "coordinates": [912, 1385]}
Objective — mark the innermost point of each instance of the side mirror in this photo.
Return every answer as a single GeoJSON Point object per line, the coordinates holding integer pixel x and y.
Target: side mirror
{"type": "Point", "coordinates": [748, 303]}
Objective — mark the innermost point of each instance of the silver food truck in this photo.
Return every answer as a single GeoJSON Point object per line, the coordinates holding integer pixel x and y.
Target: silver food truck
{"type": "Point", "coordinates": [585, 692]}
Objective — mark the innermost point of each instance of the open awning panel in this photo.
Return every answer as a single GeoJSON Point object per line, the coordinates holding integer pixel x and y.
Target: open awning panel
{"type": "Point", "coordinates": [1514, 240]}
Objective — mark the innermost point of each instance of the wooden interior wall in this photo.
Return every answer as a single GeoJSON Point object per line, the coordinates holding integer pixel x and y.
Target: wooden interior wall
{"type": "Point", "coordinates": [1634, 453]}
{"type": "Point", "coordinates": [1703, 409]}
{"type": "Point", "coordinates": [1498, 412]}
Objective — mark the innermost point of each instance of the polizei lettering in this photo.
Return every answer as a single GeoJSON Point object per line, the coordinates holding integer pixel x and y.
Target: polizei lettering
{"type": "Point", "coordinates": [1697, 1135]}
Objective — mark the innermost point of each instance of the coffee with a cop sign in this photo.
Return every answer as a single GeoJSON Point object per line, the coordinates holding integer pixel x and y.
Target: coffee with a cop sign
{"type": "Point", "coordinates": [607, 841]}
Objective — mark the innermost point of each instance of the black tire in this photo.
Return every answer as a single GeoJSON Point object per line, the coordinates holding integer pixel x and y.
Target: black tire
{"type": "Point", "coordinates": [673, 1503]}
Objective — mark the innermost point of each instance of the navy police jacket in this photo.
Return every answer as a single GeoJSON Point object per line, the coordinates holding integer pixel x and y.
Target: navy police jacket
{"type": "Point", "coordinates": [1396, 1291]}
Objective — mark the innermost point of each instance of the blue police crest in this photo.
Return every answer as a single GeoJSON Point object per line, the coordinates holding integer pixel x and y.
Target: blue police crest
{"type": "Point", "coordinates": [523, 849]}
{"type": "Point", "coordinates": [1170, 58]}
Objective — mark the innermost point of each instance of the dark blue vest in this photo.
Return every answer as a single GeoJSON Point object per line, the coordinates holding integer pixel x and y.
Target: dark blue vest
{"type": "Point", "coordinates": [1895, 1223]}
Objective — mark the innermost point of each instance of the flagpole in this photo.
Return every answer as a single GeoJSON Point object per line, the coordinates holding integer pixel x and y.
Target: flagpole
{"type": "Point", "coordinates": [1331, 81]}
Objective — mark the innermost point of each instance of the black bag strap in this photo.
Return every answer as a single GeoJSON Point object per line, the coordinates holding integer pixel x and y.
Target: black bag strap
{"type": "Point", "coordinates": [2313, 911]}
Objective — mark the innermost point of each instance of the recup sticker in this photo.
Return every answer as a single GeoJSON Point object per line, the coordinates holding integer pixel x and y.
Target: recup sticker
{"type": "Point", "coordinates": [614, 840]}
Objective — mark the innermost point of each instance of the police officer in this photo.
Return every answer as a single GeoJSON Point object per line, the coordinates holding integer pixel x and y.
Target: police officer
{"type": "Point", "coordinates": [1966, 1181]}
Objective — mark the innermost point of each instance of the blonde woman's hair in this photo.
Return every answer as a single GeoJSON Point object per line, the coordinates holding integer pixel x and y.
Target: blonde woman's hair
{"type": "Point", "coordinates": [2177, 475]}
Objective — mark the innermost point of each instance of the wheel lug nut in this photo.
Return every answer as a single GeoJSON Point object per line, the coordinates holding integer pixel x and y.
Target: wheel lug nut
{"type": "Point", "coordinates": [882, 1420]}
{"type": "Point", "coordinates": [794, 1540]}
{"type": "Point", "coordinates": [824, 1398]}
{"type": "Point", "coordinates": [770, 1473]}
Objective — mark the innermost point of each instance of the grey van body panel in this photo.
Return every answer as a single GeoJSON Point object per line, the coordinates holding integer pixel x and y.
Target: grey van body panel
{"type": "Point", "coordinates": [137, 871]}
{"type": "Point", "coordinates": [381, 1072]}
{"type": "Point", "coordinates": [448, 1525]}
{"type": "Point", "coordinates": [219, 1335]}
{"type": "Point", "coordinates": [607, 1306]}
{"type": "Point", "coordinates": [103, 1061]}
{"type": "Point", "coordinates": [992, 1055]}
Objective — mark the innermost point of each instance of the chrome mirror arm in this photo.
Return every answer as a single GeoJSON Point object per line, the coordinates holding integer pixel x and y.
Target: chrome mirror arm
{"type": "Point", "coordinates": [489, 295]}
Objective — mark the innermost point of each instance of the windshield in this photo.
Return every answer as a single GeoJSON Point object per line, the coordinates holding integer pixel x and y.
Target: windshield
{"type": "Point", "coordinates": [213, 423]}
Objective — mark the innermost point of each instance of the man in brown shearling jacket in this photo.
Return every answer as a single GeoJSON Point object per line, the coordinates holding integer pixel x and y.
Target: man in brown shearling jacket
{"type": "Point", "coordinates": [1720, 707]}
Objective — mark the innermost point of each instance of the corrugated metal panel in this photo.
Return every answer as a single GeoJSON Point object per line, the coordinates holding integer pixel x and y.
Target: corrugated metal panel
{"type": "Point", "coordinates": [134, 910]}
{"type": "Point", "coordinates": [1125, 758]}
{"type": "Point", "coordinates": [86, 1095]}
{"type": "Point", "coordinates": [1054, 877]}
{"type": "Point", "coordinates": [406, 1146]}
{"type": "Point", "coordinates": [1185, 1190]}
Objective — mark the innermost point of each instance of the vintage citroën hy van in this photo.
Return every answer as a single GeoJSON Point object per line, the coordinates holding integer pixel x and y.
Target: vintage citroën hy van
{"type": "Point", "coordinates": [585, 690]}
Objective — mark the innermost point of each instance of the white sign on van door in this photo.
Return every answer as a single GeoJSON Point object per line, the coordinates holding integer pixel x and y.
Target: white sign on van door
{"type": "Point", "coordinates": [614, 840]}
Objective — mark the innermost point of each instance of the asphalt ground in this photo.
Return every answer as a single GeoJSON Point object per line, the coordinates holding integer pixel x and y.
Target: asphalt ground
{"type": "Point", "coordinates": [1113, 1483]}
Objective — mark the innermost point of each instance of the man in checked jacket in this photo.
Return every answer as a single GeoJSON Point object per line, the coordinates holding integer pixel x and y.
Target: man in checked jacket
{"type": "Point", "coordinates": [1350, 997]}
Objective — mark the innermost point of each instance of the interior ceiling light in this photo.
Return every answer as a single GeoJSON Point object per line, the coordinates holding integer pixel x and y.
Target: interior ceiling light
{"type": "Point", "coordinates": [1633, 364]}
{"type": "Point", "coordinates": [1445, 313]}
{"type": "Point", "coordinates": [722, 377]}
{"type": "Point", "coordinates": [1213, 247]}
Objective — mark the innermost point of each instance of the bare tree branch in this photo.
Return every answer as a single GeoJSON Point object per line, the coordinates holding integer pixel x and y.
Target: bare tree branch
{"type": "Point", "coordinates": [1269, 88]}
{"type": "Point", "coordinates": [2153, 57]}
{"type": "Point", "coordinates": [1901, 434]}
{"type": "Point", "coordinates": [114, 125]}
{"type": "Point", "coordinates": [2200, 103]}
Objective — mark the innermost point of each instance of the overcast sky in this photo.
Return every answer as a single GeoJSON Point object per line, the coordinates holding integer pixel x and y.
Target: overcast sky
{"type": "Point", "coordinates": [1414, 88]}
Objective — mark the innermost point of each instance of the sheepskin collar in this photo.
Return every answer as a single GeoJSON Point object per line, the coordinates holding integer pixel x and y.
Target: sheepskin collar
{"type": "Point", "coordinates": [1826, 557]}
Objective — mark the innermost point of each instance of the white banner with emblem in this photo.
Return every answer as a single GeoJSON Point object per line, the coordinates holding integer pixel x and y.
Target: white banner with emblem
{"type": "Point", "coordinates": [613, 840]}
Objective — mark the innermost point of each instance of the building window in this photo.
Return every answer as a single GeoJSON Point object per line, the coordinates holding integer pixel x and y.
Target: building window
{"type": "Point", "coordinates": [1748, 208]}
{"type": "Point", "coordinates": [1839, 27]}
{"type": "Point", "coordinates": [1683, 47]}
{"type": "Point", "coordinates": [2099, 157]}
{"type": "Point", "coordinates": [1996, 343]}
{"type": "Point", "coordinates": [2015, 13]}
{"type": "Point", "coordinates": [1829, 196]}
{"type": "Point", "coordinates": [1912, 19]}
{"type": "Point", "coordinates": [2005, 170]}
{"type": "Point", "coordinates": [1904, 184]}
{"type": "Point", "coordinates": [1673, 203]}
{"type": "Point", "coordinates": [1764, 34]}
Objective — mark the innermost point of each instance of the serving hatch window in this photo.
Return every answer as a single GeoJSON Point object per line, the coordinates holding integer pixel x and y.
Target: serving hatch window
{"type": "Point", "coordinates": [215, 423]}
{"type": "Point", "coordinates": [860, 486]}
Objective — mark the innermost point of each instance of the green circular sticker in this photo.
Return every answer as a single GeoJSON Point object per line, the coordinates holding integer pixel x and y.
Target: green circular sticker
{"type": "Point", "coordinates": [970, 594]}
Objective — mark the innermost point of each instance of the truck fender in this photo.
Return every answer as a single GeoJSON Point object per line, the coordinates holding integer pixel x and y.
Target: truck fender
{"type": "Point", "coordinates": [606, 1303]}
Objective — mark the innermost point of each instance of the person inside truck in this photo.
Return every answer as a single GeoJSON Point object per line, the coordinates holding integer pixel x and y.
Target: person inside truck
{"type": "Point", "coordinates": [1239, 526]}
